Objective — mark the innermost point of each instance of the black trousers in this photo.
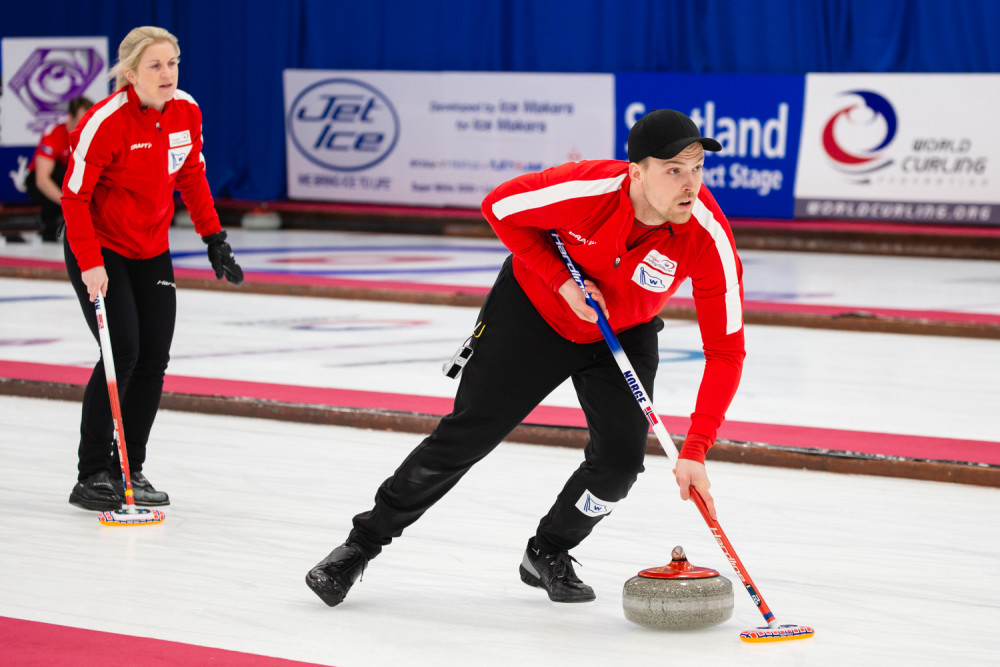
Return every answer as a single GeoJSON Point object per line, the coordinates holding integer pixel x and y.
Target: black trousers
{"type": "Point", "coordinates": [51, 210]}
{"type": "Point", "coordinates": [517, 361]}
{"type": "Point", "coordinates": [141, 306]}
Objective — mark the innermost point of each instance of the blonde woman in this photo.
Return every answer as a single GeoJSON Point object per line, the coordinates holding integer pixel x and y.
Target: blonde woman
{"type": "Point", "coordinates": [130, 153]}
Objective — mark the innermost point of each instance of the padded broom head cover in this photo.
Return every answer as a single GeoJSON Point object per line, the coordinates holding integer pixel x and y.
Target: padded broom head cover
{"type": "Point", "coordinates": [780, 633]}
{"type": "Point", "coordinates": [135, 516]}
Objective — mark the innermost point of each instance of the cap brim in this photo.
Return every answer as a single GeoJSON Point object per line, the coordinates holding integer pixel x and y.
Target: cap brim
{"type": "Point", "coordinates": [675, 147]}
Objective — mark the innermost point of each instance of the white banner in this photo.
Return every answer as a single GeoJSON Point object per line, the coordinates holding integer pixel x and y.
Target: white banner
{"type": "Point", "coordinates": [900, 147]}
{"type": "Point", "coordinates": [437, 138]}
{"type": "Point", "coordinates": [42, 74]}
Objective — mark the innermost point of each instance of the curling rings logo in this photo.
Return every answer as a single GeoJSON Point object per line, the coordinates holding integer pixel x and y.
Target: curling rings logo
{"type": "Point", "coordinates": [855, 136]}
{"type": "Point", "coordinates": [343, 124]}
{"type": "Point", "coordinates": [50, 77]}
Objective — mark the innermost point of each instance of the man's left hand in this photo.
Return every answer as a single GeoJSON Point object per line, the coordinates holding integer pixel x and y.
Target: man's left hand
{"type": "Point", "coordinates": [576, 300]}
{"type": "Point", "coordinates": [692, 474]}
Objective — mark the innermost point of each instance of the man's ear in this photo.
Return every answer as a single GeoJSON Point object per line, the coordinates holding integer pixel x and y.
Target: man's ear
{"type": "Point", "coordinates": [634, 172]}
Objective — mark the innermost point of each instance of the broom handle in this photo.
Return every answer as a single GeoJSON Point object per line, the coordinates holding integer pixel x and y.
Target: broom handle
{"type": "Point", "coordinates": [116, 411]}
{"type": "Point", "coordinates": [666, 442]}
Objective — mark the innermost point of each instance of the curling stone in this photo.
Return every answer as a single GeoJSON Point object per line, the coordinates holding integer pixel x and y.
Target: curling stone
{"type": "Point", "coordinates": [678, 596]}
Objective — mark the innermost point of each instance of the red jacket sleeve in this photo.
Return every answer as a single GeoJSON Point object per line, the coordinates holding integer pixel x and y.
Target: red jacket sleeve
{"type": "Point", "coordinates": [192, 183]}
{"type": "Point", "coordinates": [717, 285]}
{"type": "Point", "coordinates": [85, 167]}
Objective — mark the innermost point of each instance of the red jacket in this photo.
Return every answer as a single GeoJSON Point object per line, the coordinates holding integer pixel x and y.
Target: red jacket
{"type": "Point", "coordinates": [53, 145]}
{"type": "Point", "coordinates": [127, 161]}
{"type": "Point", "coordinates": [588, 202]}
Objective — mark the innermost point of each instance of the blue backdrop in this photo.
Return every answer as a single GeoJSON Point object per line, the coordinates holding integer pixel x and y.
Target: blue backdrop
{"type": "Point", "coordinates": [235, 50]}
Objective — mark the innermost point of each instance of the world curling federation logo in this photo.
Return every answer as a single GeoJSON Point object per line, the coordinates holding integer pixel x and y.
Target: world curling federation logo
{"type": "Point", "coordinates": [855, 137]}
{"type": "Point", "coordinates": [52, 76]}
{"type": "Point", "coordinates": [343, 124]}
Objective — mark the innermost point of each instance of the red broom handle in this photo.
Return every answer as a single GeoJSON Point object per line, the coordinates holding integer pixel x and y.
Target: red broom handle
{"type": "Point", "coordinates": [116, 411]}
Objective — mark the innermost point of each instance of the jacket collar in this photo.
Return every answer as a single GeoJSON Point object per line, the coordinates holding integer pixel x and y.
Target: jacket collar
{"type": "Point", "coordinates": [148, 115]}
{"type": "Point", "coordinates": [628, 213]}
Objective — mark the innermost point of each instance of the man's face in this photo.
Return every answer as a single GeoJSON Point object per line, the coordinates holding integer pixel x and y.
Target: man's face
{"type": "Point", "coordinates": [670, 187]}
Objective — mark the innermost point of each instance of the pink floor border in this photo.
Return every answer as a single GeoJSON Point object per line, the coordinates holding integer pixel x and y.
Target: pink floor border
{"type": "Point", "coordinates": [35, 643]}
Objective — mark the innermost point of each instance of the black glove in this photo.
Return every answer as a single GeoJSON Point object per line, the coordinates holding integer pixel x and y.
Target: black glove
{"type": "Point", "coordinates": [222, 258]}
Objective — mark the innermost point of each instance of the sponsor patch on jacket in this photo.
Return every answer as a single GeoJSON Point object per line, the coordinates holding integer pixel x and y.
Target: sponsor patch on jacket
{"type": "Point", "coordinates": [179, 138]}
{"type": "Point", "coordinates": [591, 505]}
{"type": "Point", "coordinates": [650, 279]}
{"type": "Point", "coordinates": [661, 262]}
{"type": "Point", "coordinates": [176, 157]}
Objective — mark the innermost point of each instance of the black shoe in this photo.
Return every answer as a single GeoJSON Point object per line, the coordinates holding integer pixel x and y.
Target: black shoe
{"type": "Point", "coordinates": [97, 493]}
{"type": "Point", "coordinates": [554, 573]}
{"type": "Point", "coordinates": [333, 576]}
{"type": "Point", "coordinates": [144, 494]}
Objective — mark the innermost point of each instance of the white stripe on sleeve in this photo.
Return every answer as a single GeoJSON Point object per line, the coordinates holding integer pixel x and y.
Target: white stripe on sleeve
{"type": "Point", "coordinates": [181, 95]}
{"type": "Point", "coordinates": [75, 177]}
{"type": "Point", "coordinates": [525, 201]}
{"type": "Point", "coordinates": [734, 311]}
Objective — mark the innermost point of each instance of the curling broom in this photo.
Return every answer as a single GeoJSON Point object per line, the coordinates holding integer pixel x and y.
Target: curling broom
{"type": "Point", "coordinates": [773, 631]}
{"type": "Point", "coordinates": [129, 514]}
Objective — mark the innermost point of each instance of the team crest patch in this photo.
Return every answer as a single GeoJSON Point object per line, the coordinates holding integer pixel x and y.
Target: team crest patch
{"type": "Point", "coordinates": [650, 279]}
{"type": "Point", "coordinates": [591, 505]}
{"type": "Point", "coordinates": [176, 157]}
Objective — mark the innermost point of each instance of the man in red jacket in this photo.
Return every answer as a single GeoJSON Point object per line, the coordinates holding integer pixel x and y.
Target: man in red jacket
{"type": "Point", "coordinates": [636, 230]}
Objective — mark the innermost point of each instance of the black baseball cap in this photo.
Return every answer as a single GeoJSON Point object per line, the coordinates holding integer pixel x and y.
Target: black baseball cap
{"type": "Point", "coordinates": [663, 133]}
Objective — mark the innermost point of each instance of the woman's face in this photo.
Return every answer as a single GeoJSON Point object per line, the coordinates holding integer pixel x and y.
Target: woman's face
{"type": "Point", "coordinates": [155, 77]}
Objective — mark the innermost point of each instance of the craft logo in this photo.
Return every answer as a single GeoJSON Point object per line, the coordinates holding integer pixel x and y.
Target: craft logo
{"type": "Point", "coordinates": [343, 124]}
{"type": "Point", "coordinates": [856, 135]}
{"type": "Point", "coordinates": [581, 239]}
{"type": "Point", "coordinates": [51, 77]}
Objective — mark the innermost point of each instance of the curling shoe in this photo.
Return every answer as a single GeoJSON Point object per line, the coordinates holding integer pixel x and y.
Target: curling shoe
{"type": "Point", "coordinates": [333, 576]}
{"type": "Point", "coordinates": [144, 494]}
{"type": "Point", "coordinates": [97, 493]}
{"type": "Point", "coordinates": [554, 573]}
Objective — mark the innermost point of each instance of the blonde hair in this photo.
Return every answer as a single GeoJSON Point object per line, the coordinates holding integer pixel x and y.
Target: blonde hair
{"type": "Point", "coordinates": [131, 49]}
